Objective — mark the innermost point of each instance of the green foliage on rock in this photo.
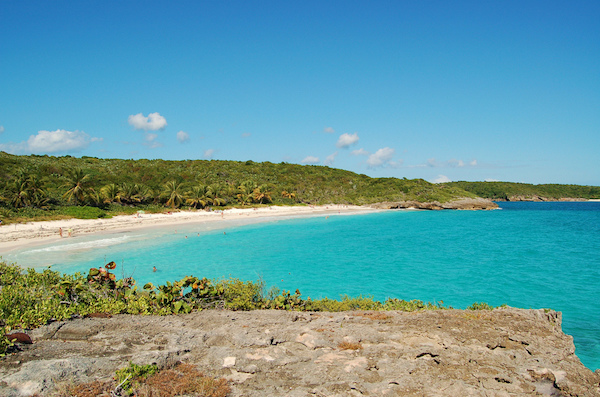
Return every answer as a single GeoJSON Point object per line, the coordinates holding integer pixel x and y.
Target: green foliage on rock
{"type": "Point", "coordinates": [129, 377]}
{"type": "Point", "coordinates": [29, 298]}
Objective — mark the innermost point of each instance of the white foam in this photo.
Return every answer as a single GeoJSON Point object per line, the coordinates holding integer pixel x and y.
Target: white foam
{"type": "Point", "coordinates": [83, 245]}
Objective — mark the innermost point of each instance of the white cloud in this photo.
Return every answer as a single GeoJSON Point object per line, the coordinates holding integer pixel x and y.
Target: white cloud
{"type": "Point", "coordinates": [57, 141]}
{"type": "Point", "coordinates": [1, 129]}
{"type": "Point", "coordinates": [381, 157]}
{"type": "Point", "coordinates": [346, 140]}
{"type": "Point", "coordinates": [328, 130]}
{"type": "Point", "coordinates": [452, 163]}
{"type": "Point", "coordinates": [330, 159]}
{"type": "Point", "coordinates": [360, 152]}
{"type": "Point", "coordinates": [183, 136]}
{"type": "Point", "coordinates": [491, 180]}
{"type": "Point", "coordinates": [151, 140]}
{"type": "Point", "coordinates": [310, 160]}
{"type": "Point", "coordinates": [441, 179]}
{"type": "Point", "coordinates": [208, 153]}
{"type": "Point", "coordinates": [153, 122]}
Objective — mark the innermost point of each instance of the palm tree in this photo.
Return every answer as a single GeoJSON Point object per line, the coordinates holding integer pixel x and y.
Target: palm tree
{"type": "Point", "coordinates": [216, 193]}
{"type": "Point", "coordinates": [199, 196]}
{"type": "Point", "coordinates": [144, 192]}
{"type": "Point", "coordinates": [172, 191]}
{"type": "Point", "coordinates": [38, 195]}
{"type": "Point", "coordinates": [261, 194]}
{"type": "Point", "coordinates": [18, 193]}
{"type": "Point", "coordinates": [110, 194]}
{"type": "Point", "coordinates": [288, 194]}
{"type": "Point", "coordinates": [246, 192]}
{"type": "Point", "coordinates": [78, 184]}
{"type": "Point", "coordinates": [128, 193]}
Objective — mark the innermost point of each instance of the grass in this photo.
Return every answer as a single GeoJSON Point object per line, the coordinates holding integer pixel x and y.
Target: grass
{"type": "Point", "coordinates": [183, 379]}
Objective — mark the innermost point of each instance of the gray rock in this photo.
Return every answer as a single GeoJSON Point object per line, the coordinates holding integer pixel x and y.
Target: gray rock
{"type": "Point", "coordinates": [274, 353]}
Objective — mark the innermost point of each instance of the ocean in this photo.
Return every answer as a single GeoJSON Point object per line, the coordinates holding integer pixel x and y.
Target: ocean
{"type": "Point", "coordinates": [527, 255]}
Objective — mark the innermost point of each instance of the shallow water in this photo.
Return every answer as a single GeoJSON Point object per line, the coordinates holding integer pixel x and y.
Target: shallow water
{"type": "Point", "coordinates": [530, 255]}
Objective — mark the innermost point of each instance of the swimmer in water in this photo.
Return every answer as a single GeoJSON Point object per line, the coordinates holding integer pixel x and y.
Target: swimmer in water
{"type": "Point", "coordinates": [154, 268]}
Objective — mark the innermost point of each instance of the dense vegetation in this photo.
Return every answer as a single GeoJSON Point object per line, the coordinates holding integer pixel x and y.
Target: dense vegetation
{"type": "Point", "coordinates": [29, 299]}
{"type": "Point", "coordinates": [511, 190]}
{"type": "Point", "coordinates": [44, 187]}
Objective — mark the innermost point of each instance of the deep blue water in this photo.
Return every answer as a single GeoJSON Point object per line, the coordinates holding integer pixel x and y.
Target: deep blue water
{"type": "Point", "coordinates": [529, 255]}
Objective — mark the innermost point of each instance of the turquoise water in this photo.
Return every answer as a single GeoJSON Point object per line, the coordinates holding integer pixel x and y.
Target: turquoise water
{"type": "Point", "coordinates": [529, 255]}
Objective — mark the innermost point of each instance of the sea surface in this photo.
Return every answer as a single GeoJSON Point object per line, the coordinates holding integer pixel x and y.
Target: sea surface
{"type": "Point", "coordinates": [527, 255]}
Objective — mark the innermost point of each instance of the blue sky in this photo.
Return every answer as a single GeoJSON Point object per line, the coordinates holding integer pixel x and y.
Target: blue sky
{"type": "Point", "coordinates": [461, 90]}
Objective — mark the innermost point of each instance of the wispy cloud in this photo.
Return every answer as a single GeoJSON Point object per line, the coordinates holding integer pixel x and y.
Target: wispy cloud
{"type": "Point", "coordinates": [246, 135]}
{"type": "Point", "coordinates": [150, 140]}
{"type": "Point", "coordinates": [1, 129]}
{"type": "Point", "coordinates": [328, 130]}
{"type": "Point", "coordinates": [452, 163]}
{"type": "Point", "coordinates": [183, 136]}
{"type": "Point", "coordinates": [381, 157]}
{"type": "Point", "coordinates": [330, 159]}
{"type": "Point", "coordinates": [441, 179]}
{"type": "Point", "coordinates": [153, 122]}
{"type": "Point", "coordinates": [345, 140]}
{"type": "Point", "coordinates": [360, 152]}
{"type": "Point", "coordinates": [310, 160]}
{"type": "Point", "coordinates": [208, 153]}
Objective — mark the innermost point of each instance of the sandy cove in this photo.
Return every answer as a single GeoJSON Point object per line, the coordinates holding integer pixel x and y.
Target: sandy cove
{"type": "Point", "coordinates": [15, 236]}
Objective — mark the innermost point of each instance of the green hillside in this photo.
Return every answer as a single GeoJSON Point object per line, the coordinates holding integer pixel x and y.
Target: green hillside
{"type": "Point", "coordinates": [506, 190]}
{"type": "Point", "coordinates": [41, 186]}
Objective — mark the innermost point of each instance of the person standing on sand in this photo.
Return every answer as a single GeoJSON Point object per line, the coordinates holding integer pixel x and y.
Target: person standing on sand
{"type": "Point", "coordinates": [70, 231]}
{"type": "Point", "coordinates": [60, 231]}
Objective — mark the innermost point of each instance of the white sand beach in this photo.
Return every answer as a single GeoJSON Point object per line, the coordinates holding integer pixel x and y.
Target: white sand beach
{"type": "Point", "coordinates": [15, 236]}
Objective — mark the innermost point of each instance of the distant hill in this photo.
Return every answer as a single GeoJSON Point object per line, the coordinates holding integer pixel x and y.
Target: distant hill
{"type": "Point", "coordinates": [511, 191]}
{"type": "Point", "coordinates": [49, 182]}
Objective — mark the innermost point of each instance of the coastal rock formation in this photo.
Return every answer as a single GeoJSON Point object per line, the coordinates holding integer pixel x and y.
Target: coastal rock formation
{"type": "Point", "coordinates": [461, 204]}
{"type": "Point", "coordinates": [276, 353]}
{"type": "Point", "coordinates": [537, 198]}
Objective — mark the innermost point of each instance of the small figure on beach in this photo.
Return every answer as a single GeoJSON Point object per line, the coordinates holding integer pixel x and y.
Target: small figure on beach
{"type": "Point", "coordinates": [60, 232]}
{"type": "Point", "coordinates": [0, 222]}
{"type": "Point", "coordinates": [154, 269]}
{"type": "Point", "coordinates": [70, 231]}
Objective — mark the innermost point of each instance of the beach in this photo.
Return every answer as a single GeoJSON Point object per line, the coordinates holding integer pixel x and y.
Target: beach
{"type": "Point", "coordinates": [15, 236]}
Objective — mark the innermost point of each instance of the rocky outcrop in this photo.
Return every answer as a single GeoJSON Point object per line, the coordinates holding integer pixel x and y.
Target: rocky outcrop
{"type": "Point", "coordinates": [537, 198]}
{"type": "Point", "coordinates": [460, 204]}
{"type": "Point", "coordinates": [276, 353]}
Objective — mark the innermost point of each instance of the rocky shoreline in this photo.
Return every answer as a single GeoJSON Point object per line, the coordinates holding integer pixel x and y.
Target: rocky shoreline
{"type": "Point", "coordinates": [461, 204]}
{"type": "Point", "coordinates": [277, 353]}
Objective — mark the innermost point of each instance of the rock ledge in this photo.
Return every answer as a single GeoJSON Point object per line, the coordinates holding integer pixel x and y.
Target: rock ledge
{"type": "Point", "coordinates": [276, 353]}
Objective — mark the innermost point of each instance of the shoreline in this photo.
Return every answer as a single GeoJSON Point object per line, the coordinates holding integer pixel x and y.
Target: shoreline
{"type": "Point", "coordinates": [16, 236]}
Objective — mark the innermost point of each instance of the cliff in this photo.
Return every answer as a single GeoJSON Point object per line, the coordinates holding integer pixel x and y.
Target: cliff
{"type": "Point", "coordinates": [277, 353]}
